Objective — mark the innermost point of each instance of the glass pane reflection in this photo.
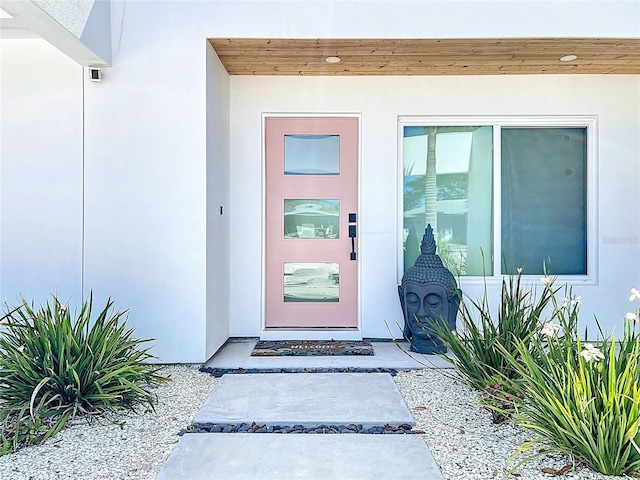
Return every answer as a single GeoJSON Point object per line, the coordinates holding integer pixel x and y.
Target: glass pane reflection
{"type": "Point", "coordinates": [539, 231]}
{"type": "Point", "coordinates": [311, 218]}
{"type": "Point", "coordinates": [312, 154]}
{"type": "Point", "coordinates": [311, 282]}
{"type": "Point", "coordinates": [448, 173]}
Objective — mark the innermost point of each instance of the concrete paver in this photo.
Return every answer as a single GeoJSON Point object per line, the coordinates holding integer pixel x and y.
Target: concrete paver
{"type": "Point", "coordinates": [306, 399]}
{"type": "Point", "coordinates": [386, 354]}
{"type": "Point", "coordinates": [258, 456]}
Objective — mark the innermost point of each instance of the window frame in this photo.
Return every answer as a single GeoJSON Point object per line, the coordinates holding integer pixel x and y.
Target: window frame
{"type": "Point", "coordinates": [590, 122]}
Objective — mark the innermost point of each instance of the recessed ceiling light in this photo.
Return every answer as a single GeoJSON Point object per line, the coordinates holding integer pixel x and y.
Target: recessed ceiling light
{"type": "Point", "coordinates": [333, 59]}
{"type": "Point", "coordinates": [568, 58]}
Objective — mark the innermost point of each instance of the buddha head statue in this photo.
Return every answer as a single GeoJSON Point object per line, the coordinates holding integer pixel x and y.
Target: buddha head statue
{"type": "Point", "coordinates": [428, 293]}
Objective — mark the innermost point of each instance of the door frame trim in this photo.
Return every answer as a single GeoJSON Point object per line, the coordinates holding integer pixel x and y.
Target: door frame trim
{"type": "Point", "coordinates": [307, 333]}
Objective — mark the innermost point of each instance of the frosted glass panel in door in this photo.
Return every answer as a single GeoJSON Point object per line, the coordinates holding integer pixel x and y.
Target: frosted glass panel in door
{"type": "Point", "coordinates": [311, 282]}
{"type": "Point", "coordinates": [311, 218]}
{"type": "Point", "coordinates": [312, 154]}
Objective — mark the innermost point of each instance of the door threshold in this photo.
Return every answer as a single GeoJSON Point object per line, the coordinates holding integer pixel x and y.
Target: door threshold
{"type": "Point", "coordinates": [312, 329]}
{"type": "Point", "coordinates": [311, 334]}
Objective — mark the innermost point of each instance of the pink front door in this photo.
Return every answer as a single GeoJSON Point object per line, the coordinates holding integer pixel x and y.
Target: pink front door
{"type": "Point", "coordinates": [311, 168]}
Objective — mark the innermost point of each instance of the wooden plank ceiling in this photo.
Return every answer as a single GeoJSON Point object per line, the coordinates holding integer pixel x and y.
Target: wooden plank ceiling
{"type": "Point", "coordinates": [260, 56]}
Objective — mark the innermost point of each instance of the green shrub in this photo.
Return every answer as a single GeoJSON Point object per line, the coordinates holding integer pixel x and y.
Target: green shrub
{"type": "Point", "coordinates": [54, 365]}
{"type": "Point", "coordinates": [582, 400]}
{"type": "Point", "coordinates": [478, 346]}
{"type": "Point", "coordinates": [501, 397]}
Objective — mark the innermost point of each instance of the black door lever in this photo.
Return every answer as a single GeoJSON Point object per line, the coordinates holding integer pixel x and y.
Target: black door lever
{"type": "Point", "coordinates": [352, 234]}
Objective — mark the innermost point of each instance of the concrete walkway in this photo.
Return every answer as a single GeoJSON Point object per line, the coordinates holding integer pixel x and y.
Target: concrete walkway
{"type": "Point", "coordinates": [237, 354]}
{"type": "Point", "coordinates": [309, 400]}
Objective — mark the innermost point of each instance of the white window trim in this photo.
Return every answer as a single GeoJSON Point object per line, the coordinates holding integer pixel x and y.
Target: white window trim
{"type": "Point", "coordinates": [590, 122]}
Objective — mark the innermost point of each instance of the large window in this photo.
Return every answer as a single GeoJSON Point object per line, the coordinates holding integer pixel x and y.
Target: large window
{"type": "Point", "coordinates": [500, 194]}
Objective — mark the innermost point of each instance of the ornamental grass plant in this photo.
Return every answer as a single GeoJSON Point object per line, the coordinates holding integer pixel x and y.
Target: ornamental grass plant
{"type": "Point", "coordinates": [479, 345]}
{"type": "Point", "coordinates": [578, 397]}
{"type": "Point", "coordinates": [55, 365]}
{"type": "Point", "coordinates": [582, 400]}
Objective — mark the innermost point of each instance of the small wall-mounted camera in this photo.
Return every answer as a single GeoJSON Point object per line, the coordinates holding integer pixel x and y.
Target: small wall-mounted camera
{"type": "Point", "coordinates": [95, 74]}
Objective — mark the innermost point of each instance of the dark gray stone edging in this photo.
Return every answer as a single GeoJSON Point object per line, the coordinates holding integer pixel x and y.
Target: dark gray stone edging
{"type": "Point", "coordinates": [292, 429]}
{"type": "Point", "coordinates": [218, 372]}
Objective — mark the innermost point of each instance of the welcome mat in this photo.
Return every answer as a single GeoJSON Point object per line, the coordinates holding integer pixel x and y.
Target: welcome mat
{"type": "Point", "coordinates": [272, 348]}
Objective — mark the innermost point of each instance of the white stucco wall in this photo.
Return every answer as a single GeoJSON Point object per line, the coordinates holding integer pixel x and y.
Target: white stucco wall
{"type": "Point", "coordinates": [218, 212]}
{"type": "Point", "coordinates": [72, 14]}
{"type": "Point", "coordinates": [424, 19]}
{"type": "Point", "coordinates": [153, 139]}
{"type": "Point", "coordinates": [41, 168]}
{"type": "Point", "coordinates": [380, 100]}
{"type": "Point", "coordinates": [145, 180]}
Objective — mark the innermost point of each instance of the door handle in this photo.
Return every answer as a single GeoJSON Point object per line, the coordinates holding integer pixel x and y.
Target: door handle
{"type": "Point", "coordinates": [352, 234]}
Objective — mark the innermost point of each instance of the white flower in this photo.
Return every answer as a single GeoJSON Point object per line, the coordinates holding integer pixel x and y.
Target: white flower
{"type": "Point", "coordinates": [519, 269]}
{"type": "Point", "coordinates": [635, 294]}
{"type": "Point", "coordinates": [545, 280]}
{"type": "Point", "coordinates": [550, 329]}
{"type": "Point", "coordinates": [22, 348]}
{"type": "Point", "coordinates": [631, 316]}
{"type": "Point", "coordinates": [591, 353]}
{"type": "Point", "coordinates": [575, 301]}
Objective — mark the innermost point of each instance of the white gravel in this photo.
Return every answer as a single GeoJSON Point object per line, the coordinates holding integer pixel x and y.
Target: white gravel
{"type": "Point", "coordinates": [461, 436]}
{"type": "Point", "coordinates": [131, 447]}
{"type": "Point", "coordinates": [459, 432]}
